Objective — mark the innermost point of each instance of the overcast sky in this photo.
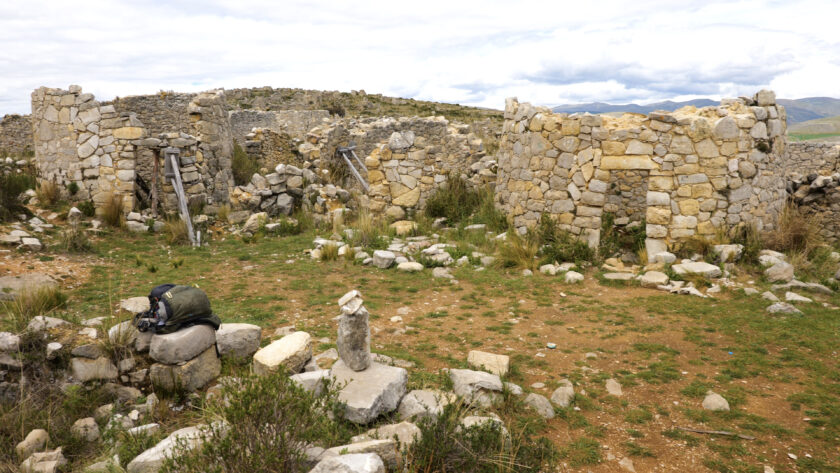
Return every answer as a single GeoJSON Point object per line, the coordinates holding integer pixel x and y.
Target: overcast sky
{"type": "Point", "coordinates": [468, 52]}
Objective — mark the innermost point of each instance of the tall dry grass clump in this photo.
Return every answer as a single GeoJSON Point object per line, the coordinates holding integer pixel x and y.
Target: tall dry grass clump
{"type": "Point", "coordinates": [175, 230]}
{"type": "Point", "coordinates": [795, 232]}
{"type": "Point", "coordinates": [112, 211]}
{"type": "Point", "coordinates": [47, 193]}
{"type": "Point", "coordinates": [518, 251]}
{"type": "Point", "coordinates": [29, 304]}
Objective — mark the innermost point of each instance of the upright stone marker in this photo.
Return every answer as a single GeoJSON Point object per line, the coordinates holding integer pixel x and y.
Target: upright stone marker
{"type": "Point", "coordinates": [354, 332]}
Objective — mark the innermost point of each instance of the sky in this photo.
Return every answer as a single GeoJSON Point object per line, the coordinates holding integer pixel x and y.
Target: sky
{"type": "Point", "coordinates": [468, 52]}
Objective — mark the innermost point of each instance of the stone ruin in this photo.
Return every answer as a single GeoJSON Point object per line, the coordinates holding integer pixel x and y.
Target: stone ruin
{"type": "Point", "coordinates": [106, 153]}
{"type": "Point", "coordinates": [685, 173]}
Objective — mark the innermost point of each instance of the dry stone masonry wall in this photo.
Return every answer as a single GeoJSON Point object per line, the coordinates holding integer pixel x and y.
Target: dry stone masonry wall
{"type": "Point", "coordinates": [698, 169]}
{"type": "Point", "coordinates": [76, 139]}
{"type": "Point", "coordinates": [808, 157]}
{"type": "Point", "coordinates": [15, 135]}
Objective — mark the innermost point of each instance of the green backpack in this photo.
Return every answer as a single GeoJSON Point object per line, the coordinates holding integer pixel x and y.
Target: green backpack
{"type": "Point", "coordinates": [173, 307]}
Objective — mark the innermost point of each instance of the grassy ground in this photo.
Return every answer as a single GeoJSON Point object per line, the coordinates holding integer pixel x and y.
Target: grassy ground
{"type": "Point", "coordinates": [811, 136]}
{"type": "Point", "coordinates": [780, 374]}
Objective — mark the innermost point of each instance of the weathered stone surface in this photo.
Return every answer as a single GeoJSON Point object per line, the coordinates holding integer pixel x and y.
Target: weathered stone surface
{"type": "Point", "coordinates": [355, 463]}
{"type": "Point", "coordinates": [698, 267]}
{"type": "Point", "coordinates": [385, 448]}
{"type": "Point", "coordinates": [424, 403]}
{"type": "Point", "coordinates": [135, 305]}
{"type": "Point", "coordinates": [370, 393]}
{"type": "Point", "coordinates": [404, 432]}
{"type": "Point", "coordinates": [410, 267]}
{"type": "Point", "coordinates": [85, 429]}
{"type": "Point", "coordinates": [563, 395]}
{"type": "Point", "coordinates": [715, 402]}
{"type": "Point", "coordinates": [490, 362]}
{"type": "Point", "coordinates": [781, 271]}
{"type": "Point", "coordinates": [238, 340]}
{"type": "Point", "coordinates": [312, 381]}
{"type": "Point", "coordinates": [182, 345]}
{"type": "Point", "coordinates": [9, 342]}
{"type": "Point", "coordinates": [190, 376]}
{"type": "Point", "coordinates": [540, 404]}
{"type": "Point", "coordinates": [43, 323]}
{"type": "Point", "coordinates": [613, 387]}
{"type": "Point", "coordinates": [84, 369]}
{"type": "Point", "coordinates": [291, 351]}
{"type": "Point", "coordinates": [354, 337]}
{"type": "Point", "coordinates": [12, 286]}
{"type": "Point", "coordinates": [383, 259]}
{"type": "Point", "coordinates": [573, 277]}
{"type": "Point", "coordinates": [34, 441]}
{"type": "Point", "coordinates": [476, 386]}
{"type": "Point", "coordinates": [653, 279]}
{"type": "Point", "coordinates": [782, 308]}
{"type": "Point", "coordinates": [44, 462]}
{"type": "Point", "coordinates": [152, 459]}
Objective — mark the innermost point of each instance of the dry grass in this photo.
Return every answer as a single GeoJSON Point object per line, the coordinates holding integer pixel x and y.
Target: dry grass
{"type": "Point", "coordinates": [224, 212]}
{"type": "Point", "coordinates": [796, 232]}
{"type": "Point", "coordinates": [29, 304]}
{"type": "Point", "coordinates": [368, 231]}
{"type": "Point", "coordinates": [329, 252]}
{"type": "Point", "coordinates": [112, 211]}
{"type": "Point", "coordinates": [75, 240]}
{"type": "Point", "coordinates": [518, 251]}
{"type": "Point", "coordinates": [175, 230]}
{"type": "Point", "coordinates": [47, 192]}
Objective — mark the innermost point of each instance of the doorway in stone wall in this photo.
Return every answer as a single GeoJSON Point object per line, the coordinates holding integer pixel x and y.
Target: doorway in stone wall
{"type": "Point", "coordinates": [623, 218]}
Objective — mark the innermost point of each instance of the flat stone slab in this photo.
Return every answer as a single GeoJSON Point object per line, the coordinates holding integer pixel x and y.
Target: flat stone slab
{"type": "Point", "coordinates": [183, 345]}
{"type": "Point", "coordinates": [490, 362]}
{"type": "Point", "coordinates": [135, 305]}
{"type": "Point", "coordinates": [84, 369]}
{"type": "Point", "coordinates": [370, 393]}
{"type": "Point", "coordinates": [12, 286]}
{"type": "Point", "coordinates": [291, 351]}
{"type": "Point", "coordinates": [618, 276]}
{"type": "Point", "coordinates": [654, 279]}
{"type": "Point", "coordinates": [238, 340]}
{"type": "Point", "coordinates": [312, 381]}
{"type": "Point", "coordinates": [698, 267]}
{"type": "Point", "coordinates": [385, 448]}
{"type": "Point", "coordinates": [404, 432]}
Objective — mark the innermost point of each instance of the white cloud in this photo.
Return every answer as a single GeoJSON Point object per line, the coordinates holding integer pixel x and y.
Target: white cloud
{"type": "Point", "coordinates": [469, 52]}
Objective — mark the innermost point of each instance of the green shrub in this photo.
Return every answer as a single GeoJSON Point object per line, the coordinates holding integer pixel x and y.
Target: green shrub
{"type": "Point", "coordinates": [243, 166]}
{"type": "Point", "coordinates": [453, 200]}
{"type": "Point", "coordinates": [615, 239]}
{"type": "Point", "coordinates": [560, 246]}
{"type": "Point", "coordinates": [446, 446]}
{"type": "Point", "coordinates": [87, 208]}
{"type": "Point", "coordinates": [72, 188]}
{"type": "Point", "coordinates": [268, 421]}
{"type": "Point", "coordinates": [11, 187]}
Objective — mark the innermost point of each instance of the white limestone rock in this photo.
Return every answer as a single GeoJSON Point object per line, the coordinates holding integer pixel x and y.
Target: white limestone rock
{"type": "Point", "coordinates": [190, 376]}
{"type": "Point", "coordinates": [238, 340]}
{"type": "Point", "coordinates": [354, 463]}
{"type": "Point", "coordinates": [476, 386]}
{"type": "Point", "coordinates": [715, 402]}
{"type": "Point", "coordinates": [424, 403]}
{"type": "Point", "coordinates": [540, 404]}
{"type": "Point", "coordinates": [490, 362]}
{"type": "Point", "coordinates": [563, 395]}
{"type": "Point", "coordinates": [182, 345]}
{"type": "Point", "coordinates": [291, 351]}
{"type": "Point", "coordinates": [698, 267]}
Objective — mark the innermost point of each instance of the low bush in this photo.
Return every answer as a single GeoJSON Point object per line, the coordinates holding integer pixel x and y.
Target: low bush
{"type": "Point", "coordinates": [223, 213]}
{"type": "Point", "coordinates": [243, 166]}
{"type": "Point", "coordinates": [445, 445]}
{"type": "Point", "coordinates": [329, 252]}
{"type": "Point", "coordinates": [262, 424]}
{"type": "Point", "coordinates": [558, 245]}
{"type": "Point", "coordinates": [370, 232]}
{"type": "Point", "coordinates": [11, 187]}
{"type": "Point", "coordinates": [615, 238]}
{"type": "Point", "coordinates": [87, 208]}
{"type": "Point", "coordinates": [453, 200]}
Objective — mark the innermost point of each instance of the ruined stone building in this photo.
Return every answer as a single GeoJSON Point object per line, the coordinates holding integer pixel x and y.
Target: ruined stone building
{"type": "Point", "coordinates": [684, 173]}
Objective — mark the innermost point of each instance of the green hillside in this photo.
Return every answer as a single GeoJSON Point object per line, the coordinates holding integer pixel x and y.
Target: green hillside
{"type": "Point", "coordinates": [827, 128]}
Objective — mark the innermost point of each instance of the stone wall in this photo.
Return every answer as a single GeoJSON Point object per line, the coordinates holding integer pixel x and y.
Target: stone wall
{"type": "Point", "coordinates": [699, 169]}
{"type": "Point", "coordinates": [104, 152]}
{"type": "Point", "coordinates": [15, 135]}
{"type": "Point", "coordinates": [164, 112]}
{"type": "Point", "coordinates": [296, 123]}
{"type": "Point", "coordinates": [78, 140]}
{"type": "Point", "coordinates": [808, 157]}
{"type": "Point", "coordinates": [442, 147]}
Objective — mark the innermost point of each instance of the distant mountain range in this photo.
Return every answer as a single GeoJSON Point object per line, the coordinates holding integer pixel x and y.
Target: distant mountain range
{"type": "Point", "coordinates": [798, 110]}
